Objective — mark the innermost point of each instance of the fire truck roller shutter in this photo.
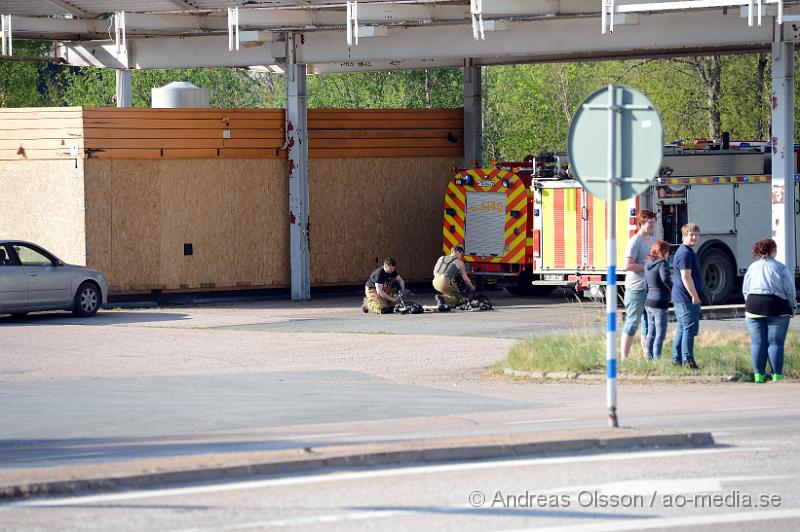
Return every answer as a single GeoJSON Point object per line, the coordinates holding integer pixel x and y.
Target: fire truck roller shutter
{"type": "Point", "coordinates": [485, 225]}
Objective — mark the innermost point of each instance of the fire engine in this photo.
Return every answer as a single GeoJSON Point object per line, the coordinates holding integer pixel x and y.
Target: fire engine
{"type": "Point", "coordinates": [530, 227]}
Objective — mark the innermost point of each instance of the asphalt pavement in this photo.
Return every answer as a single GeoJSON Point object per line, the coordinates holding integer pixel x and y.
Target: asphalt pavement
{"type": "Point", "coordinates": [234, 387]}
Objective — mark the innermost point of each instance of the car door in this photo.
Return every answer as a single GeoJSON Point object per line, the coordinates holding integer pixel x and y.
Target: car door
{"type": "Point", "coordinates": [13, 282]}
{"type": "Point", "coordinates": [49, 283]}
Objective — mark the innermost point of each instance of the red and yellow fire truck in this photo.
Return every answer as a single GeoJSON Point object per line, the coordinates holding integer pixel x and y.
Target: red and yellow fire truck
{"type": "Point", "coordinates": [530, 227]}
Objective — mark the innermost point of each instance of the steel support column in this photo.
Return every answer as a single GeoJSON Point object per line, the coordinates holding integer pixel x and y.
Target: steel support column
{"type": "Point", "coordinates": [297, 142]}
{"type": "Point", "coordinates": [783, 161]}
{"type": "Point", "coordinates": [473, 126]}
{"type": "Point", "coordinates": [124, 92]}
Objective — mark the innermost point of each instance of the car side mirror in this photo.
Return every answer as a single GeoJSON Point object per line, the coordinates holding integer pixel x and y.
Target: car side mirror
{"type": "Point", "coordinates": [59, 263]}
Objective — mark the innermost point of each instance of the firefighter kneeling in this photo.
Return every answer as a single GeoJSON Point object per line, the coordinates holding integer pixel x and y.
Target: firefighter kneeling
{"type": "Point", "coordinates": [379, 294]}
{"type": "Point", "coordinates": [448, 276]}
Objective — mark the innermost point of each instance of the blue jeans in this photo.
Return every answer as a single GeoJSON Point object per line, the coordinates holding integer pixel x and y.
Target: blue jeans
{"type": "Point", "coordinates": [767, 336]}
{"type": "Point", "coordinates": [688, 318]}
{"type": "Point", "coordinates": [656, 330]}
{"type": "Point", "coordinates": [634, 312]}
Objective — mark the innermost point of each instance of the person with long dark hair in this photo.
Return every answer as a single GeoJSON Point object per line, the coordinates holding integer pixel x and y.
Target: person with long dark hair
{"type": "Point", "coordinates": [770, 302]}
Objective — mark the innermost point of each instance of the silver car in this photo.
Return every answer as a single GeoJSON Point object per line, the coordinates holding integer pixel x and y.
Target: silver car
{"type": "Point", "coordinates": [33, 279]}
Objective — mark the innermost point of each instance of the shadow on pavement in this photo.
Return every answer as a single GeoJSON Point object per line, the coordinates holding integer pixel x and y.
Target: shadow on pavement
{"type": "Point", "coordinates": [101, 318]}
{"type": "Point", "coordinates": [37, 453]}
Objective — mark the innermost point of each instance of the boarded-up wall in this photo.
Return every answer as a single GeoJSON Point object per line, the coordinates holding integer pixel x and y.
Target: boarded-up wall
{"type": "Point", "coordinates": [376, 185]}
{"type": "Point", "coordinates": [364, 210]}
{"type": "Point", "coordinates": [233, 212]}
{"type": "Point", "coordinates": [42, 202]}
{"type": "Point", "coordinates": [217, 179]}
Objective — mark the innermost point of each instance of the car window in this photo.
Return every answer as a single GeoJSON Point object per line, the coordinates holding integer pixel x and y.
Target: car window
{"type": "Point", "coordinates": [31, 257]}
{"type": "Point", "coordinates": [5, 257]}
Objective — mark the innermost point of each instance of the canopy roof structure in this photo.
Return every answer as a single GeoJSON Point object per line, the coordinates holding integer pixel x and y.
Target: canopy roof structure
{"type": "Point", "coordinates": [340, 35]}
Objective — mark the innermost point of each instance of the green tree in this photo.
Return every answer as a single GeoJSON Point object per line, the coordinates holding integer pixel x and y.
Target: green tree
{"type": "Point", "coordinates": [414, 89]}
{"type": "Point", "coordinates": [228, 87]}
{"type": "Point", "coordinates": [25, 82]}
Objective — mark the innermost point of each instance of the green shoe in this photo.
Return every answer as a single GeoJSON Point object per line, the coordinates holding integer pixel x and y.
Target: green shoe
{"type": "Point", "coordinates": [777, 377]}
{"type": "Point", "coordinates": [759, 378]}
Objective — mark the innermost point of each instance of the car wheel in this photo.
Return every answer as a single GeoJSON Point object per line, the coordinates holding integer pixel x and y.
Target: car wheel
{"type": "Point", "coordinates": [87, 300]}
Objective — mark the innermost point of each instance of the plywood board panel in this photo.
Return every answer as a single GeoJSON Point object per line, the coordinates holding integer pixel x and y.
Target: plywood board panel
{"type": "Point", "coordinates": [135, 224]}
{"type": "Point", "coordinates": [364, 210]}
{"type": "Point", "coordinates": [98, 177]}
{"type": "Point", "coordinates": [234, 213]}
{"type": "Point", "coordinates": [42, 202]}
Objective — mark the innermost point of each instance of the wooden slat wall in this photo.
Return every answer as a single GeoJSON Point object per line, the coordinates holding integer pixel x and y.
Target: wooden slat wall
{"type": "Point", "coordinates": [40, 133]}
{"type": "Point", "coordinates": [336, 134]}
{"type": "Point", "coordinates": [183, 133]}
{"type": "Point", "coordinates": [110, 132]}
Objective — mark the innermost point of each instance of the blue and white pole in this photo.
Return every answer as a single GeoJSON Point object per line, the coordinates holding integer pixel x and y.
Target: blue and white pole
{"type": "Point", "coordinates": [611, 256]}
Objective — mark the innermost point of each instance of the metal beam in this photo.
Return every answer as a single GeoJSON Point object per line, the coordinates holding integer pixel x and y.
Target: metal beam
{"type": "Point", "coordinates": [473, 125]}
{"type": "Point", "coordinates": [69, 8]}
{"type": "Point", "coordinates": [559, 39]}
{"type": "Point", "coordinates": [374, 66]}
{"type": "Point", "coordinates": [297, 142]}
{"type": "Point", "coordinates": [260, 19]}
{"type": "Point", "coordinates": [124, 93]}
{"type": "Point", "coordinates": [522, 42]}
{"type": "Point", "coordinates": [783, 159]}
{"type": "Point", "coordinates": [172, 52]}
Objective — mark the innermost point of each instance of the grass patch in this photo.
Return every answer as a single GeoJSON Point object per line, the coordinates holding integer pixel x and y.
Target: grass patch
{"type": "Point", "coordinates": [717, 353]}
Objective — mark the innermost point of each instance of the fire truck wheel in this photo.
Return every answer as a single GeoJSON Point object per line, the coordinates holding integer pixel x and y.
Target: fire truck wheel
{"type": "Point", "coordinates": [718, 276]}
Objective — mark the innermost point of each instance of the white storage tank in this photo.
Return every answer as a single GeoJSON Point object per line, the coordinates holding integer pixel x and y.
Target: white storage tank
{"type": "Point", "coordinates": [179, 94]}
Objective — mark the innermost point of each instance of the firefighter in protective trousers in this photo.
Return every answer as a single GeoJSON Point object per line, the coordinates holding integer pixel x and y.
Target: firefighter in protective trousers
{"type": "Point", "coordinates": [448, 275]}
{"type": "Point", "coordinates": [379, 294]}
